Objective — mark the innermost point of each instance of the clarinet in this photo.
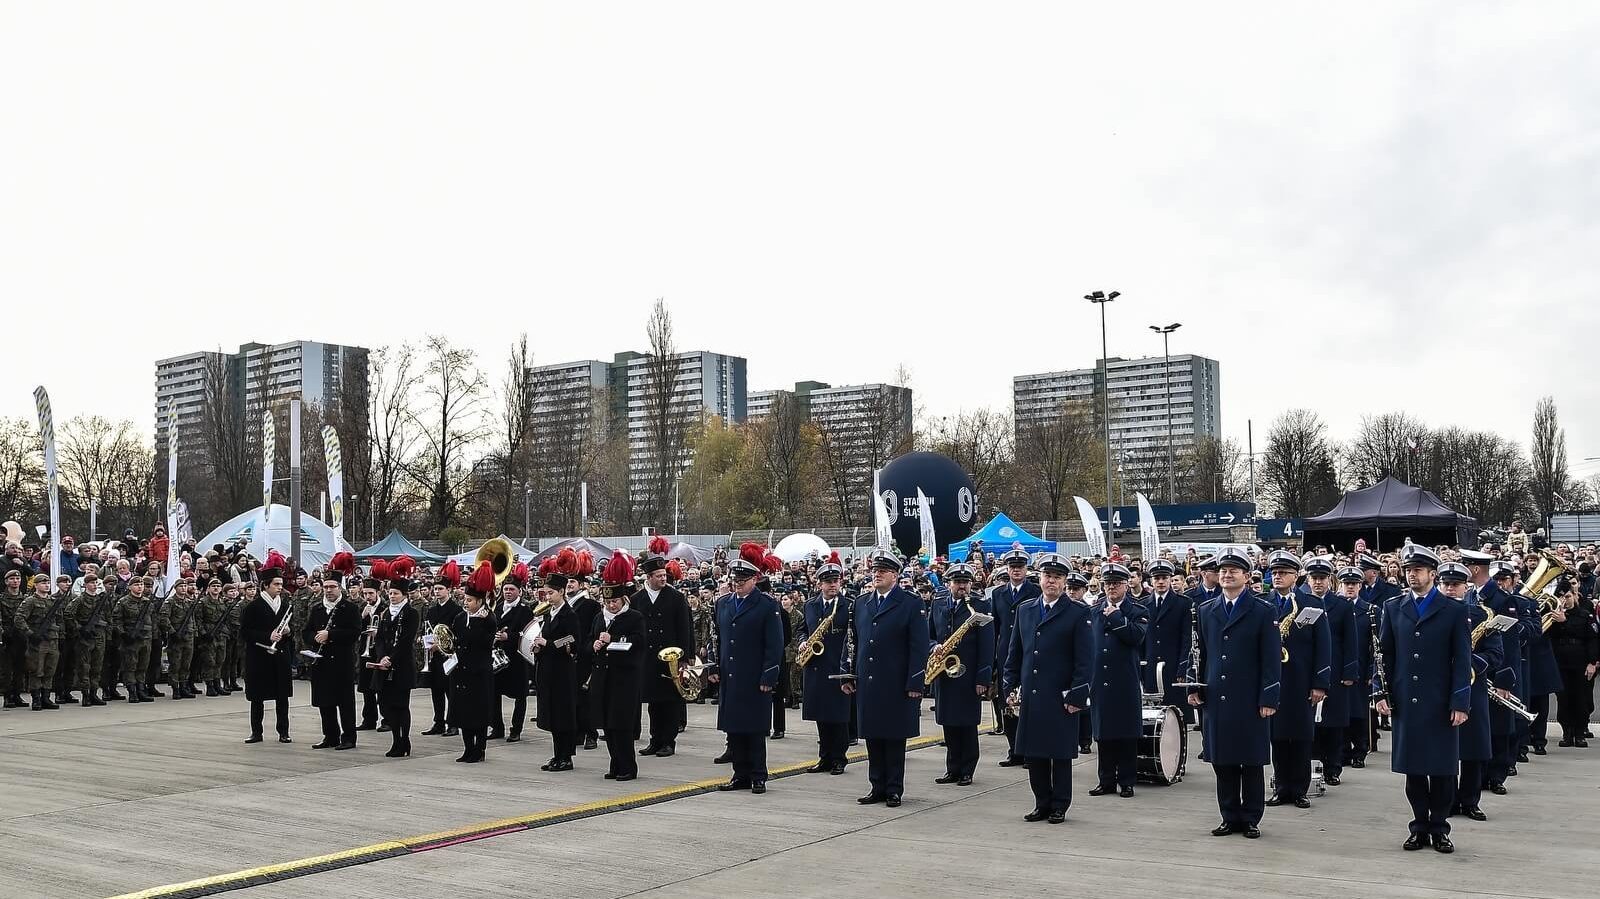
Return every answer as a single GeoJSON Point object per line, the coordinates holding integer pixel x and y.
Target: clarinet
{"type": "Point", "coordinates": [1193, 679]}
{"type": "Point", "coordinates": [1380, 690]}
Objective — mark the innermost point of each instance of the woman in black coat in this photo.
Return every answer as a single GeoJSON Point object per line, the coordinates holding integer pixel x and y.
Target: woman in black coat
{"type": "Point", "coordinates": [615, 690]}
{"type": "Point", "coordinates": [561, 640]}
{"type": "Point", "coordinates": [514, 614]}
{"type": "Point", "coordinates": [397, 666]}
{"type": "Point", "coordinates": [472, 692]}
{"type": "Point", "coordinates": [1577, 650]}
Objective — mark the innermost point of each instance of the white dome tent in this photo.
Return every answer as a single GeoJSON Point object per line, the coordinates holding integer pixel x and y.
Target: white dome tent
{"type": "Point", "coordinates": [317, 543]}
{"type": "Point", "coordinates": [796, 547]}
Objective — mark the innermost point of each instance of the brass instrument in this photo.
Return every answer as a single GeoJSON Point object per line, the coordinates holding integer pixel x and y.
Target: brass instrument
{"type": "Point", "coordinates": [1287, 623]}
{"type": "Point", "coordinates": [813, 646]}
{"type": "Point", "coordinates": [500, 554]}
{"type": "Point", "coordinates": [1549, 569]}
{"type": "Point", "coordinates": [288, 611]}
{"type": "Point", "coordinates": [687, 679]}
{"type": "Point", "coordinates": [1511, 702]}
{"type": "Point", "coordinates": [945, 660]}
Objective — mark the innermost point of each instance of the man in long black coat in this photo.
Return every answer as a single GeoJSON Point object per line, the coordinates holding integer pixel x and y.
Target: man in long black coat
{"type": "Point", "coordinates": [1004, 601]}
{"type": "Point", "coordinates": [587, 609]}
{"type": "Point", "coordinates": [331, 630]}
{"type": "Point", "coordinates": [668, 622]}
{"type": "Point", "coordinates": [562, 639]}
{"type": "Point", "coordinates": [511, 681]}
{"type": "Point", "coordinates": [614, 682]}
{"type": "Point", "coordinates": [268, 646]}
{"type": "Point", "coordinates": [398, 623]}
{"type": "Point", "coordinates": [444, 611]}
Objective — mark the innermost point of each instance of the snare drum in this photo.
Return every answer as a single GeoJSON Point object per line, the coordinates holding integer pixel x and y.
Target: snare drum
{"type": "Point", "coordinates": [1164, 747]}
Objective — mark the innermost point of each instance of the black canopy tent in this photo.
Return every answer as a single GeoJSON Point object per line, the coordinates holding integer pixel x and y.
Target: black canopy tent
{"type": "Point", "coordinates": [395, 544]}
{"type": "Point", "coordinates": [1387, 514]}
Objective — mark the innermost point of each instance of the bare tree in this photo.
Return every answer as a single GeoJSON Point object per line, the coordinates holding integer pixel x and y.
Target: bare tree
{"type": "Point", "coordinates": [21, 470]}
{"type": "Point", "coordinates": [1061, 456]}
{"type": "Point", "coordinates": [517, 399]}
{"type": "Point", "coordinates": [1383, 446]}
{"type": "Point", "coordinates": [1298, 465]}
{"type": "Point", "coordinates": [224, 477]}
{"type": "Point", "coordinates": [448, 425]}
{"type": "Point", "coordinates": [981, 441]}
{"type": "Point", "coordinates": [108, 464]}
{"type": "Point", "coordinates": [1549, 477]}
{"type": "Point", "coordinates": [1216, 469]}
{"type": "Point", "coordinates": [844, 482]}
{"type": "Point", "coordinates": [1476, 472]}
{"type": "Point", "coordinates": [666, 416]}
{"type": "Point", "coordinates": [787, 448]}
{"type": "Point", "coordinates": [394, 437]}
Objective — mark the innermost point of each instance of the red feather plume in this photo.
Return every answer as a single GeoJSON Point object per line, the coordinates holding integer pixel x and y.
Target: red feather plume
{"type": "Point", "coordinates": [276, 560]}
{"type": "Point", "coordinates": [659, 545]}
{"type": "Point", "coordinates": [403, 566]}
{"type": "Point", "coordinates": [519, 573]}
{"type": "Point", "coordinates": [547, 566]}
{"type": "Point", "coordinates": [481, 581]}
{"type": "Point", "coordinates": [381, 570]}
{"type": "Point", "coordinates": [585, 563]}
{"type": "Point", "coordinates": [675, 569]}
{"type": "Point", "coordinates": [833, 558]}
{"type": "Point", "coordinates": [344, 563]}
{"type": "Point", "coordinates": [450, 574]}
{"type": "Point", "coordinates": [754, 553]}
{"type": "Point", "coordinates": [771, 564]}
{"type": "Point", "coordinates": [567, 561]}
{"type": "Point", "coordinates": [619, 570]}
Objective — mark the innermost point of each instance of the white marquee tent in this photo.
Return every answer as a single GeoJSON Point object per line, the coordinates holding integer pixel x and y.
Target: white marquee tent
{"type": "Point", "coordinates": [317, 544]}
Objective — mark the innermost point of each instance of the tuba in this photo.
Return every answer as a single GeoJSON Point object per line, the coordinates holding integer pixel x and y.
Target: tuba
{"type": "Point", "coordinates": [1550, 568]}
{"type": "Point", "coordinates": [500, 554]}
{"type": "Point", "coordinates": [687, 678]}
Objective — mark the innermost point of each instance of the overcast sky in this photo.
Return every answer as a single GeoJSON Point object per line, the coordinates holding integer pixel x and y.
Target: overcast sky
{"type": "Point", "coordinates": [1359, 209]}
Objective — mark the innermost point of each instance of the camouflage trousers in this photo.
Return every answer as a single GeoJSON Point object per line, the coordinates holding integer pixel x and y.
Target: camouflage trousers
{"type": "Point", "coordinates": [208, 660]}
{"type": "Point", "coordinates": [135, 660]}
{"type": "Point", "coordinates": [180, 656]}
{"type": "Point", "coordinates": [91, 659]}
{"type": "Point", "coordinates": [42, 659]}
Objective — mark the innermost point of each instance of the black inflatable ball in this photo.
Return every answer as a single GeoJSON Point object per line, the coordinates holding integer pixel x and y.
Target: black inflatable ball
{"type": "Point", "coordinates": [952, 500]}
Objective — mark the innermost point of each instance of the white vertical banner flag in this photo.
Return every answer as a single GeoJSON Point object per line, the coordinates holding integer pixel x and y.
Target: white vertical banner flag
{"type": "Point", "coordinates": [269, 449]}
{"type": "Point", "coordinates": [930, 541]}
{"type": "Point", "coordinates": [1093, 528]}
{"type": "Point", "coordinates": [330, 451]}
{"type": "Point", "coordinates": [47, 433]}
{"type": "Point", "coordinates": [1149, 533]}
{"type": "Point", "coordinates": [174, 540]}
{"type": "Point", "coordinates": [881, 512]}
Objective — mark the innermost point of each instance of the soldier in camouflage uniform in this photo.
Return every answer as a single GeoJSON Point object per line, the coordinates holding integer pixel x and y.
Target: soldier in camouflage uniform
{"type": "Point", "coordinates": [246, 592]}
{"type": "Point", "coordinates": [66, 666]}
{"type": "Point", "coordinates": [178, 633]}
{"type": "Point", "coordinates": [159, 590]}
{"type": "Point", "coordinates": [210, 640]}
{"type": "Point", "coordinates": [90, 613]}
{"type": "Point", "coordinates": [38, 620]}
{"type": "Point", "coordinates": [303, 599]}
{"type": "Point", "coordinates": [136, 631]}
{"type": "Point", "coordinates": [13, 655]}
{"type": "Point", "coordinates": [793, 607]}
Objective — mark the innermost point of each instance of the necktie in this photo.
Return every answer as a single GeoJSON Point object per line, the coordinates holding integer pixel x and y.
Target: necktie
{"type": "Point", "coordinates": [1230, 609]}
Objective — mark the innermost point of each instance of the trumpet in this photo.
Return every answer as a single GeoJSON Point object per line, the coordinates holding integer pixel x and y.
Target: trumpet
{"type": "Point", "coordinates": [1511, 702]}
{"type": "Point", "coordinates": [283, 623]}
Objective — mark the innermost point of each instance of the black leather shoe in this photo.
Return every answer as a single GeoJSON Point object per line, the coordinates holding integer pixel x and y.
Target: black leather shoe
{"type": "Point", "coordinates": [1057, 818]}
{"type": "Point", "coordinates": [610, 776]}
{"type": "Point", "coordinates": [1222, 830]}
{"type": "Point", "coordinates": [588, 743]}
{"type": "Point", "coordinates": [1358, 763]}
{"type": "Point", "coordinates": [649, 749]}
{"type": "Point", "coordinates": [732, 785]}
{"type": "Point", "coordinates": [871, 798]}
{"type": "Point", "coordinates": [496, 735]}
{"type": "Point", "coordinates": [1302, 802]}
{"type": "Point", "coordinates": [383, 728]}
{"type": "Point", "coordinates": [1512, 771]}
{"type": "Point", "coordinates": [1275, 800]}
{"type": "Point", "coordinates": [366, 727]}
{"type": "Point", "coordinates": [758, 787]}
{"type": "Point", "coordinates": [892, 801]}
{"type": "Point", "coordinates": [723, 759]}
{"type": "Point", "coordinates": [1102, 789]}
{"type": "Point", "coordinates": [1540, 750]}
{"type": "Point", "coordinates": [324, 744]}
{"type": "Point", "coordinates": [449, 731]}
{"type": "Point", "coordinates": [284, 738]}
{"type": "Point", "coordinates": [1037, 814]}
{"type": "Point", "coordinates": [514, 738]}
{"type": "Point", "coordinates": [1126, 793]}
{"type": "Point", "coordinates": [1010, 762]}
{"type": "Point", "coordinates": [1523, 756]}
{"type": "Point", "coordinates": [253, 738]}
{"type": "Point", "coordinates": [837, 769]}
{"type": "Point", "coordinates": [1331, 780]}
{"type": "Point", "coordinates": [620, 777]}
{"type": "Point", "coordinates": [434, 731]}
{"type": "Point", "coordinates": [1498, 789]}
{"type": "Point", "coordinates": [1581, 743]}
{"type": "Point", "coordinates": [562, 765]}
{"type": "Point", "coordinates": [1251, 832]}
{"type": "Point", "coordinates": [666, 752]}
{"type": "Point", "coordinates": [1475, 814]}
{"type": "Point", "coordinates": [820, 767]}
{"type": "Point", "coordinates": [1565, 743]}
{"type": "Point", "coordinates": [1414, 842]}
{"type": "Point", "coordinates": [1085, 749]}
{"type": "Point", "coordinates": [1441, 843]}
{"type": "Point", "coordinates": [965, 781]}
{"type": "Point", "coordinates": [349, 745]}
{"type": "Point", "coordinates": [777, 735]}
{"type": "Point", "coordinates": [947, 779]}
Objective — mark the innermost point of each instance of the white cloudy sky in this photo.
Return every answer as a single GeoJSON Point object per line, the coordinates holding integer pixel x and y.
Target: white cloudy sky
{"type": "Point", "coordinates": [1358, 208]}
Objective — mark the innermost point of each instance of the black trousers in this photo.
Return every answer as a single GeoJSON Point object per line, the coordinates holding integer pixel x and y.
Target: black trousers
{"type": "Point", "coordinates": [586, 727]}
{"type": "Point", "coordinates": [474, 740]}
{"type": "Point", "coordinates": [1241, 793]}
{"type": "Point", "coordinates": [369, 710]}
{"type": "Point", "coordinates": [623, 761]}
{"type": "Point", "coordinates": [1119, 761]}
{"type": "Point", "coordinates": [339, 721]}
{"type": "Point", "coordinates": [1469, 792]}
{"type": "Point", "coordinates": [1521, 731]}
{"type": "Point", "coordinates": [960, 749]}
{"type": "Point", "coordinates": [1051, 780]}
{"type": "Point", "coordinates": [398, 717]}
{"type": "Point", "coordinates": [665, 717]}
{"type": "Point", "coordinates": [153, 672]}
{"type": "Point", "coordinates": [1010, 729]}
{"type": "Point", "coordinates": [439, 688]}
{"type": "Point", "coordinates": [1572, 710]}
{"type": "Point", "coordinates": [258, 714]}
{"type": "Point", "coordinates": [1430, 798]}
{"type": "Point", "coordinates": [1085, 731]}
{"type": "Point", "coordinates": [1505, 746]}
{"type": "Point", "coordinates": [1328, 747]}
{"type": "Point", "coordinates": [886, 766]}
{"type": "Point", "coordinates": [749, 757]}
{"type": "Point", "coordinates": [110, 667]}
{"type": "Point", "coordinates": [833, 739]}
{"type": "Point", "coordinates": [1540, 727]}
{"type": "Point", "coordinates": [1357, 740]}
{"type": "Point", "coordinates": [565, 743]}
{"type": "Point", "coordinates": [519, 713]}
{"type": "Point", "coordinates": [1291, 768]}
{"type": "Point", "coordinates": [778, 705]}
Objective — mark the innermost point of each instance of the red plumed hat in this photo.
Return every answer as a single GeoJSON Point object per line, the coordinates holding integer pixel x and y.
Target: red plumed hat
{"type": "Point", "coordinates": [381, 570]}
{"type": "Point", "coordinates": [833, 558]}
{"type": "Point", "coordinates": [754, 553]}
{"type": "Point", "coordinates": [403, 566]}
{"type": "Point", "coordinates": [585, 563]}
{"type": "Point", "coordinates": [567, 561]}
{"type": "Point", "coordinates": [275, 566]}
{"type": "Point", "coordinates": [675, 569]}
{"type": "Point", "coordinates": [344, 563]}
{"type": "Point", "coordinates": [659, 545]}
{"type": "Point", "coordinates": [519, 573]}
{"type": "Point", "coordinates": [547, 567]}
{"type": "Point", "coordinates": [771, 564]}
{"type": "Point", "coordinates": [450, 574]}
{"type": "Point", "coordinates": [480, 582]}
{"type": "Point", "coordinates": [618, 575]}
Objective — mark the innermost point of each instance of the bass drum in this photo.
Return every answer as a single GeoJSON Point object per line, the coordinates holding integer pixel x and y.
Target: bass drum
{"type": "Point", "coordinates": [1164, 748]}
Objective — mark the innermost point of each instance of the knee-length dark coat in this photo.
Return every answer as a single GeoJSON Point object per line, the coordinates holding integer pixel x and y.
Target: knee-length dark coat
{"type": "Point", "coordinates": [396, 637]}
{"type": "Point", "coordinates": [266, 674]}
{"type": "Point", "coordinates": [512, 680]}
{"type": "Point", "coordinates": [615, 692]}
{"type": "Point", "coordinates": [472, 693]}
{"type": "Point", "coordinates": [333, 677]}
{"type": "Point", "coordinates": [556, 675]}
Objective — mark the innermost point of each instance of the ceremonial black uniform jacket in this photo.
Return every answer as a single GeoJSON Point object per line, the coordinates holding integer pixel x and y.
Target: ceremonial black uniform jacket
{"type": "Point", "coordinates": [614, 684]}
{"type": "Point", "coordinates": [333, 677]}
{"type": "Point", "coordinates": [512, 680]}
{"type": "Point", "coordinates": [668, 622]}
{"type": "Point", "coordinates": [266, 674]}
{"type": "Point", "coordinates": [557, 672]}
{"type": "Point", "coordinates": [395, 638]}
{"type": "Point", "coordinates": [472, 681]}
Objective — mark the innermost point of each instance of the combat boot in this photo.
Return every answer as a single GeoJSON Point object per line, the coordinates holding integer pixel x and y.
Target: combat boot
{"type": "Point", "coordinates": [65, 697]}
{"type": "Point", "coordinates": [14, 700]}
{"type": "Point", "coordinates": [88, 699]}
{"type": "Point", "coordinates": [44, 701]}
{"type": "Point", "coordinates": [133, 693]}
{"type": "Point", "coordinates": [113, 694]}
{"type": "Point", "coordinates": [38, 706]}
{"type": "Point", "coordinates": [94, 697]}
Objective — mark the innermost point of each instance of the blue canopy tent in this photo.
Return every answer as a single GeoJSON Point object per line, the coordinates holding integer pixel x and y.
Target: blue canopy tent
{"type": "Point", "coordinates": [395, 544]}
{"type": "Point", "coordinates": [997, 537]}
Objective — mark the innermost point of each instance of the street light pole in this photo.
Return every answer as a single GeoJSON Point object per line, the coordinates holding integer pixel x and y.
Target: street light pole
{"type": "Point", "coordinates": [1101, 298]}
{"type": "Point", "coordinates": [1166, 370]}
{"type": "Point", "coordinates": [527, 507]}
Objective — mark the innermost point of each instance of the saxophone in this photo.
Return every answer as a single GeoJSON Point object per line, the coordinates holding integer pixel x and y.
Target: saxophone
{"type": "Point", "coordinates": [1287, 623]}
{"type": "Point", "coordinates": [950, 663]}
{"type": "Point", "coordinates": [813, 647]}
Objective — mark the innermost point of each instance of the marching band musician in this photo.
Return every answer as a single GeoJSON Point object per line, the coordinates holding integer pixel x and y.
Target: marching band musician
{"type": "Point", "coordinates": [332, 626]}
{"type": "Point", "coordinates": [958, 705]}
{"type": "Point", "coordinates": [1240, 665]}
{"type": "Point", "coordinates": [268, 644]}
{"type": "Point", "coordinates": [444, 611]}
{"type": "Point", "coordinates": [1305, 677]}
{"type": "Point", "coordinates": [1005, 599]}
{"type": "Point", "coordinates": [561, 640]}
{"type": "Point", "coordinates": [1207, 588]}
{"type": "Point", "coordinates": [822, 699]}
{"type": "Point", "coordinates": [587, 608]}
{"type": "Point", "coordinates": [1049, 666]}
{"type": "Point", "coordinates": [1360, 731]}
{"type": "Point", "coordinates": [1344, 659]}
{"type": "Point", "coordinates": [367, 679]}
{"type": "Point", "coordinates": [668, 622]}
{"type": "Point", "coordinates": [1078, 592]}
{"type": "Point", "coordinates": [398, 623]}
{"type": "Point", "coordinates": [1116, 703]}
{"type": "Point", "coordinates": [511, 681]}
{"type": "Point", "coordinates": [614, 690]}
{"type": "Point", "coordinates": [1494, 592]}
{"type": "Point", "coordinates": [748, 656]}
{"type": "Point", "coordinates": [892, 647]}
{"type": "Point", "coordinates": [472, 681]}
{"type": "Point", "coordinates": [1476, 736]}
{"type": "Point", "coordinates": [1168, 638]}
{"type": "Point", "coordinates": [1427, 664]}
